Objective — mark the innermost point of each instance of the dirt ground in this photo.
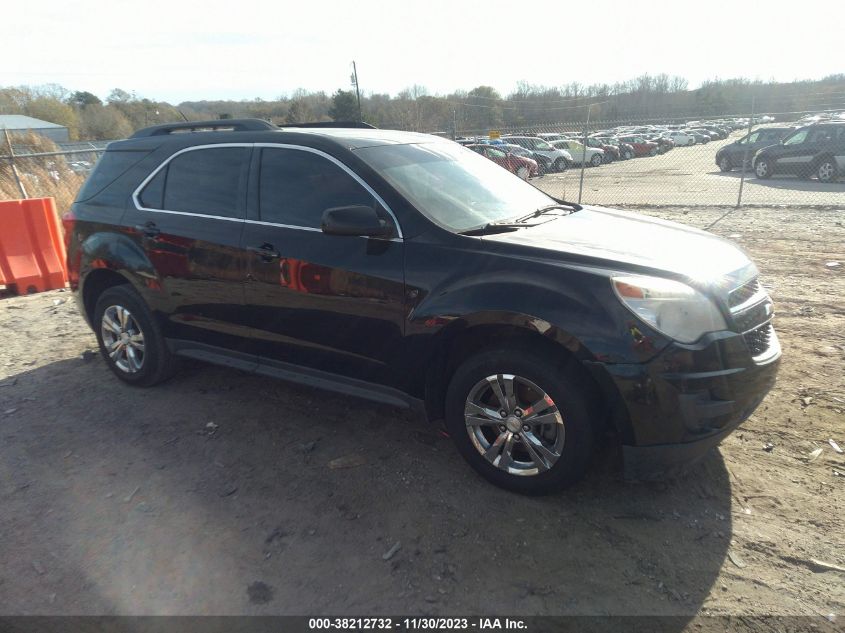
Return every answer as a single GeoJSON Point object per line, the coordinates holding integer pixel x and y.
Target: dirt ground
{"type": "Point", "coordinates": [213, 493]}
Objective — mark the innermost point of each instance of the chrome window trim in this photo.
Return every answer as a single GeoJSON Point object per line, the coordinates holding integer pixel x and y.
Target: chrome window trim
{"type": "Point", "coordinates": [136, 200]}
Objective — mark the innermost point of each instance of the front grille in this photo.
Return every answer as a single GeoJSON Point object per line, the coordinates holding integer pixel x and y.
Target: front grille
{"type": "Point", "coordinates": [742, 294]}
{"type": "Point", "coordinates": [751, 312]}
{"type": "Point", "coordinates": [758, 339]}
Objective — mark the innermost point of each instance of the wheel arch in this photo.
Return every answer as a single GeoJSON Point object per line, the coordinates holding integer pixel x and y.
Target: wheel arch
{"type": "Point", "coordinates": [483, 331]}
{"type": "Point", "coordinates": [107, 260]}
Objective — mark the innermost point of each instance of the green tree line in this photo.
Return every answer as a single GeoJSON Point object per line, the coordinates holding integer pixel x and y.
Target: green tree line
{"type": "Point", "coordinates": [648, 97]}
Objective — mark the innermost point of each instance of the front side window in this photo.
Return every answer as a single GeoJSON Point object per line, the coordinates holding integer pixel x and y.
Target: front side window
{"type": "Point", "coordinates": [295, 187]}
{"type": "Point", "coordinates": [453, 187]}
{"type": "Point", "coordinates": [797, 138]}
{"type": "Point", "coordinates": [494, 153]}
{"type": "Point", "coordinates": [204, 181]}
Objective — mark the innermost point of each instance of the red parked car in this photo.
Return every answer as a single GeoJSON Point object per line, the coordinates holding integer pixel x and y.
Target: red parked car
{"type": "Point", "coordinates": [641, 146]}
{"type": "Point", "coordinates": [525, 168]}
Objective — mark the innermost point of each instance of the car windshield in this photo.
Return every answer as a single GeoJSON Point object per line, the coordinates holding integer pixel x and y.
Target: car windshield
{"type": "Point", "coordinates": [453, 186]}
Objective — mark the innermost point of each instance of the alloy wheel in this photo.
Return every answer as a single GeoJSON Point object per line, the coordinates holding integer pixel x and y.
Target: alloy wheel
{"type": "Point", "coordinates": [762, 169]}
{"type": "Point", "coordinates": [514, 424]}
{"type": "Point", "coordinates": [826, 171]}
{"type": "Point", "coordinates": [123, 339]}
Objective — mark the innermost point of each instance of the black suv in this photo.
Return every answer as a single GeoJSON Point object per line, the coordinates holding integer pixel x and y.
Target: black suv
{"type": "Point", "coordinates": [814, 150]}
{"type": "Point", "coordinates": [407, 269]}
{"type": "Point", "coordinates": [732, 155]}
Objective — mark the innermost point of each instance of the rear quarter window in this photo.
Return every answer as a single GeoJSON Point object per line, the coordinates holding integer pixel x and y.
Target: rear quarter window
{"type": "Point", "coordinates": [111, 166]}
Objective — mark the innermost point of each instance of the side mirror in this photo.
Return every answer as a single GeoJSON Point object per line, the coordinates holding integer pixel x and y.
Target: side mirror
{"type": "Point", "coordinates": [354, 220]}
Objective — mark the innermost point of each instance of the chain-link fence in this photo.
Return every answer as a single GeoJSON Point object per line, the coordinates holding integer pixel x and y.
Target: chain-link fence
{"type": "Point", "coordinates": [772, 159]}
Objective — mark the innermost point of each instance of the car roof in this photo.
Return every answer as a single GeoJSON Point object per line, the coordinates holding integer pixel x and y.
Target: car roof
{"type": "Point", "coordinates": [348, 138]}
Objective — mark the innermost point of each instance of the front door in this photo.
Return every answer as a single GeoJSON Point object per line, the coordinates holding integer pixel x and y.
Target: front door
{"type": "Point", "coordinates": [328, 302]}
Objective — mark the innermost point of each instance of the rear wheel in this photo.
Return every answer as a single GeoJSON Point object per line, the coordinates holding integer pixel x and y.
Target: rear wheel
{"type": "Point", "coordinates": [130, 340]}
{"type": "Point", "coordinates": [520, 420]}
{"type": "Point", "coordinates": [652, 151]}
{"type": "Point", "coordinates": [523, 172]}
{"type": "Point", "coordinates": [595, 161]}
{"type": "Point", "coordinates": [628, 154]}
{"type": "Point", "coordinates": [826, 170]}
{"type": "Point", "coordinates": [560, 164]}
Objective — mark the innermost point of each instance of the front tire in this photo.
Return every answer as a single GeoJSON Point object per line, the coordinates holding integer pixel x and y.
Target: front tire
{"type": "Point", "coordinates": [560, 165]}
{"type": "Point", "coordinates": [130, 339]}
{"type": "Point", "coordinates": [520, 420]}
{"type": "Point", "coordinates": [826, 170]}
{"type": "Point", "coordinates": [595, 161]}
{"type": "Point", "coordinates": [763, 169]}
{"type": "Point", "coordinates": [725, 164]}
{"type": "Point", "coordinates": [523, 172]}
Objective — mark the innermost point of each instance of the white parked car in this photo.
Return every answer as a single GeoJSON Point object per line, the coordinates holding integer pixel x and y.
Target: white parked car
{"type": "Point", "coordinates": [680, 138]}
{"type": "Point", "coordinates": [594, 155]}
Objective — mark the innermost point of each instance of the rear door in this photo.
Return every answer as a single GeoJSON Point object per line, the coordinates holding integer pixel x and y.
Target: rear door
{"type": "Point", "coordinates": [328, 302]}
{"type": "Point", "coordinates": [188, 216]}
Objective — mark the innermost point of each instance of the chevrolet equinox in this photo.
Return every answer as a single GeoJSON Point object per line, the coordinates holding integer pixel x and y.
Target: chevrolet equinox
{"type": "Point", "coordinates": [406, 269]}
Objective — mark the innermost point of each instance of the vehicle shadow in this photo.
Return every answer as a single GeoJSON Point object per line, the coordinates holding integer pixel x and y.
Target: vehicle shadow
{"type": "Point", "coordinates": [783, 182]}
{"type": "Point", "coordinates": [221, 492]}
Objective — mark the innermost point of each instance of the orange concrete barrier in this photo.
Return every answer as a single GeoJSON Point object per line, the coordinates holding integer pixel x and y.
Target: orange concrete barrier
{"type": "Point", "coordinates": [32, 251]}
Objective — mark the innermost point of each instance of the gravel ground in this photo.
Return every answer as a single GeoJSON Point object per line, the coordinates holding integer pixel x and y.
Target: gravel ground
{"type": "Point", "coordinates": [686, 176]}
{"type": "Point", "coordinates": [215, 493]}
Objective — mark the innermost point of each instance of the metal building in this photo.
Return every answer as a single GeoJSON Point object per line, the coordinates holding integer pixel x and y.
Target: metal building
{"type": "Point", "coordinates": [21, 123]}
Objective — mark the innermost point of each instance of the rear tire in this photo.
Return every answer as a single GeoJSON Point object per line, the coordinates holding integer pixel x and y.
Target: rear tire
{"type": "Point", "coordinates": [595, 161]}
{"type": "Point", "coordinates": [510, 450]}
{"type": "Point", "coordinates": [560, 165]}
{"type": "Point", "coordinates": [130, 339]}
{"type": "Point", "coordinates": [523, 172]}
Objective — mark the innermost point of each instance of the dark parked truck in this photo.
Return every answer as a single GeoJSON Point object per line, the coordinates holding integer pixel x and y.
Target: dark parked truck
{"type": "Point", "coordinates": [406, 269]}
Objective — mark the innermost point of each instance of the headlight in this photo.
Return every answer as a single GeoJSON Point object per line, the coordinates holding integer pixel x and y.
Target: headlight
{"type": "Point", "coordinates": [671, 307]}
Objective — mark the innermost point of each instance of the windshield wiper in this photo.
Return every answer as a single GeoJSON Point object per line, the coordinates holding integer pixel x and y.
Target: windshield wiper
{"type": "Point", "coordinates": [495, 227]}
{"type": "Point", "coordinates": [561, 204]}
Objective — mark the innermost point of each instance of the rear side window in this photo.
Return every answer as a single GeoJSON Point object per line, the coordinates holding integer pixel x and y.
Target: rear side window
{"type": "Point", "coordinates": [207, 181]}
{"type": "Point", "coordinates": [296, 187]}
{"type": "Point", "coordinates": [109, 168]}
{"type": "Point", "coordinates": [204, 181]}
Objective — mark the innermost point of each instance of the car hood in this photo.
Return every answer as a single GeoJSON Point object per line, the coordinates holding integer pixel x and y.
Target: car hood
{"type": "Point", "coordinates": [622, 240]}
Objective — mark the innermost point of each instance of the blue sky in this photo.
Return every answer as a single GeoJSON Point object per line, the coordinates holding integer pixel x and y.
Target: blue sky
{"type": "Point", "coordinates": [182, 51]}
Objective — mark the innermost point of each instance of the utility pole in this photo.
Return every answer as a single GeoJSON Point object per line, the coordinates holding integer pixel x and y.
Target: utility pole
{"type": "Point", "coordinates": [357, 91]}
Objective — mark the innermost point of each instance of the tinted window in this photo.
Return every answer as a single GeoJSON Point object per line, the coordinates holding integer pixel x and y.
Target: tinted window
{"type": "Point", "coordinates": [494, 153]}
{"type": "Point", "coordinates": [207, 181]}
{"type": "Point", "coordinates": [152, 197]}
{"type": "Point", "coordinates": [109, 168]}
{"type": "Point", "coordinates": [296, 187]}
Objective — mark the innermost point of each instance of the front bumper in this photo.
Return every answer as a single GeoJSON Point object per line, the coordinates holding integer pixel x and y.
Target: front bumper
{"type": "Point", "coordinates": [686, 400]}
